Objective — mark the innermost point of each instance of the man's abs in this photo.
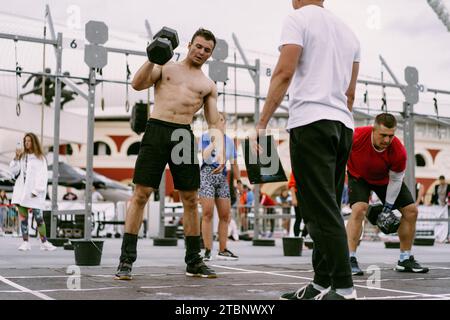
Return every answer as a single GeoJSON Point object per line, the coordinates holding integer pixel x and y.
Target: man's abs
{"type": "Point", "coordinates": [179, 94]}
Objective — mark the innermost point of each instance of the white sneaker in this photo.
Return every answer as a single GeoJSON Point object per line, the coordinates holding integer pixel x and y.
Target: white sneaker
{"type": "Point", "coordinates": [25, 246]}
{"type": "Point", "coordinates": [47, 246]}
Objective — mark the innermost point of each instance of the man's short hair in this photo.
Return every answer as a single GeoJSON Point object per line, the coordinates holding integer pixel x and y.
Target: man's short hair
{"type": "Point", "coordinates": [208, 35]}
{"type": "Point", "coordinates": [441, 178]}
{"type": "Point", "coordinates": [386, 119]}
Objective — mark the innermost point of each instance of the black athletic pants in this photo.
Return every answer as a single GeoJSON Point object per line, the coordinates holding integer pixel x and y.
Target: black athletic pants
{"type": "Point", "coordinates": [319, 153]}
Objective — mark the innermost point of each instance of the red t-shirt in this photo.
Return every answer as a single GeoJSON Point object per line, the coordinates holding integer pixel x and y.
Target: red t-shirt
{"type": "Point", "coordinates": [373, 166]}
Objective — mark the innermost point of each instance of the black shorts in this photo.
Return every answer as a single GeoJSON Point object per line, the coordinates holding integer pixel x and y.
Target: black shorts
{"type": "Point", "coordinates": [359, 191]}
{"type": "Point", "coordinates": [172, 143]}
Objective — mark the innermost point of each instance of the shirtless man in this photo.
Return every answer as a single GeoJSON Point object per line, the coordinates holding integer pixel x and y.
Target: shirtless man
{"type": "Point", "coordinates": [181, 89]}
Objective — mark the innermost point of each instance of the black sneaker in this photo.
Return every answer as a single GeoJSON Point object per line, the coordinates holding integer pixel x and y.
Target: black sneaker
{"type": "Point", "coordinates": [410, 265]}
{"type": "Point", "coordinates": [124, 271]}
{"type": "Point", "coordinates": [226, 255]}
{"type": "Point", "coordinates": [307, 292]}
{"type": "Point", "coordinates": [207, 256]}
{"type": "Point", "coordinates": [200, 270]}
{"type": "Point", "coordinates": [356, 271]}
{"type": "Point", "coordinates": [333, 295]}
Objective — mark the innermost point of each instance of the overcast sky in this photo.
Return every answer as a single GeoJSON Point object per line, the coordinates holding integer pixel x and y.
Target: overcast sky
{"type": "Point", "coordinates": [405, 32]}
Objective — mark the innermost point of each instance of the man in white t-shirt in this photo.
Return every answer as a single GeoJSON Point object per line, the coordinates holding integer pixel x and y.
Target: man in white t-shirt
{"type": "Point", "coordinates": [320, 55]}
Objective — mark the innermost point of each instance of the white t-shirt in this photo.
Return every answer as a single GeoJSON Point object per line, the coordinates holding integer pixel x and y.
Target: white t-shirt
{"type": "Point", "coordinates": [324, 72]}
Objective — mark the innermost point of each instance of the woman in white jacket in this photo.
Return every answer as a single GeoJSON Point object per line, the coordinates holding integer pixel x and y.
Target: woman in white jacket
{"type": "Point", "coordinates": [30, 189]}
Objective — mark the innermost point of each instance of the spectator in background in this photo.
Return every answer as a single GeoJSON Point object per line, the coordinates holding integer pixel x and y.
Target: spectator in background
{"type": "Point", "coordinates": [268, 204]}
{"type": "Point", "coordinates": [345, 200]}
{"type": "Point", "coordinates": [30, 189]}
{"type": "Point", "coordinates": [4, 202]}
{"type": "Point", "coordinates": [441, 193]}
{"type": "Point", "coordinates": [96, 196]}
{"type": "Point", "coordinates": [441, 197]}
{"type": "Point", "coordinates": [215, 191]}
{"type": "Point", "coordinates": [243, 210]}
{"type": "Point", "coordinates": [70, 196]}
{"type": "Point", "coordinates": [420, 194]}
{"type": "Point", "coordinates": [250, 198]}
{"type": "Point", "coordinates": [285, 201]}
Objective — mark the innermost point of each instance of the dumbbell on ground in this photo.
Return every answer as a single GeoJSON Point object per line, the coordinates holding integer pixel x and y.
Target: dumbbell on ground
{"type": "Point", "coordinates": [161, 49]}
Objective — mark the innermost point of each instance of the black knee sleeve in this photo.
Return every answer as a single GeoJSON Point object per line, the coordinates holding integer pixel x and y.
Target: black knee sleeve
{"type": "Point", "coordinates": [192, 250]}
{"type": "Point", "coordinates": [128, 251]}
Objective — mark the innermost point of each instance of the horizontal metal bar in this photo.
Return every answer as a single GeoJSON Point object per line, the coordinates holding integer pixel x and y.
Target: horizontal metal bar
{"type": "Point", "coordinates": [50, 75]}
{"type": "Point", "coordinates": [68, 212]}
{"type": "Point", "coordinates": [393, 85]}
{"type": "Point", "coordinates": [126, 51]}
{"type": "Point", "coordinates": [437, 91]}
{"type": "Point", "coordinates": [275, 216]}
{"type": "Point", "coordinates": [27, 39]}
{"type": "Point", "coordinates": [85, 79]}
{"type": "Point", "coordinates": [144, 54]}
{"type": "Point", "coordinates": [381, 84]}
{"type": "Point", "coordinates": [113, 81]}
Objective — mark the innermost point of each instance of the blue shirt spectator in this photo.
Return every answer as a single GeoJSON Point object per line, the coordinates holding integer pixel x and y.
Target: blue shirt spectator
{"type": "Point", "coordinates": [250, 197]}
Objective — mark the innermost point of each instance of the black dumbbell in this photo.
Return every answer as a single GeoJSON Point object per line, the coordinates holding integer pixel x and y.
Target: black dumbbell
{"type": "Point", "coordinates": [161, 49]}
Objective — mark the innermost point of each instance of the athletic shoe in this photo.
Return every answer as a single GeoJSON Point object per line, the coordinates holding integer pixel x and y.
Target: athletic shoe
{"type": "Point", "coordinates": [25, 246]}
{"type": "Point", "coordinates": [356, 271]}
{"type": "Point", "coordinates": [124, 271]}
{"type": "Point", "coordinates": [410, 265]}
{"type": "Point", "coordinates": [226, 255]}
{"type": "Point", "coordinates": [47, 246]}
{"type": "Point", "coordinates": [307, 292]}
{"type": "Point", "coordinates": [333, 295]}
{"type": "Point", "coordinates": [200, 270]}
{"type": "Point", "coordinates": [207, 256]}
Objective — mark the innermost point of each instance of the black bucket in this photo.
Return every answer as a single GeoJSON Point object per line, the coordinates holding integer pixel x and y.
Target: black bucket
{"type": "Point", "coordinates": [170, 231]}
{"type": "Point", "coordinates": [88, 252]}
{"type": "Point", "coordinates": [292, 246]}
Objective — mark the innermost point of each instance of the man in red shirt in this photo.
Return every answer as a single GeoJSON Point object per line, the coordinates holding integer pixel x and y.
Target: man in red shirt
{"type": "Point", "coordinates": [269, 204]}
{"type": "Point", "coordinates": [377, 163]}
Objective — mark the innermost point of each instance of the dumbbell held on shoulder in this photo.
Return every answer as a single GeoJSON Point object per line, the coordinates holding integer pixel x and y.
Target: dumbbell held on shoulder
{"type": "Point", "coordinates": [161, 49]}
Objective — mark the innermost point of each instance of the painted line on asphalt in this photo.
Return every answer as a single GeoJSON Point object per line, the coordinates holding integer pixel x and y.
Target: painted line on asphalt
{"type": "Point", "coordinates": [26, 290]}
{"type": "Point", "coordinates": [360, 286]}
{"type": "Point", "coordinates": [71, 290]}
{"type": "Point", "coordinates": [228, 284]}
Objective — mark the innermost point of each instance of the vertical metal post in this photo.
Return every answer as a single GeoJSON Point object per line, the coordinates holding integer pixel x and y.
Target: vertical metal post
{"type": "Point", "coordinates": [162, 204]}
{"type": "Point", "coordinates": [90, 154]}
{"type": "Point", "coordinates": [56, 130]}
{"type": "Point", "coordinates": [408, 139]}
{"type": "Point", "coordinates": [256, 118]}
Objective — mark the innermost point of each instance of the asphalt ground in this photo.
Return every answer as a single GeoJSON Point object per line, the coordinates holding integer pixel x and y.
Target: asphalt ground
{"type": "Point", "coordinates": [260, 274]}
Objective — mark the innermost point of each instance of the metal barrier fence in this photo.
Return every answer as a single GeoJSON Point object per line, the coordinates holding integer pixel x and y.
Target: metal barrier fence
{"type": "Point", "coordinates": [273, 221]}
{"type": "Point", "coordinates": [9, 219]}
